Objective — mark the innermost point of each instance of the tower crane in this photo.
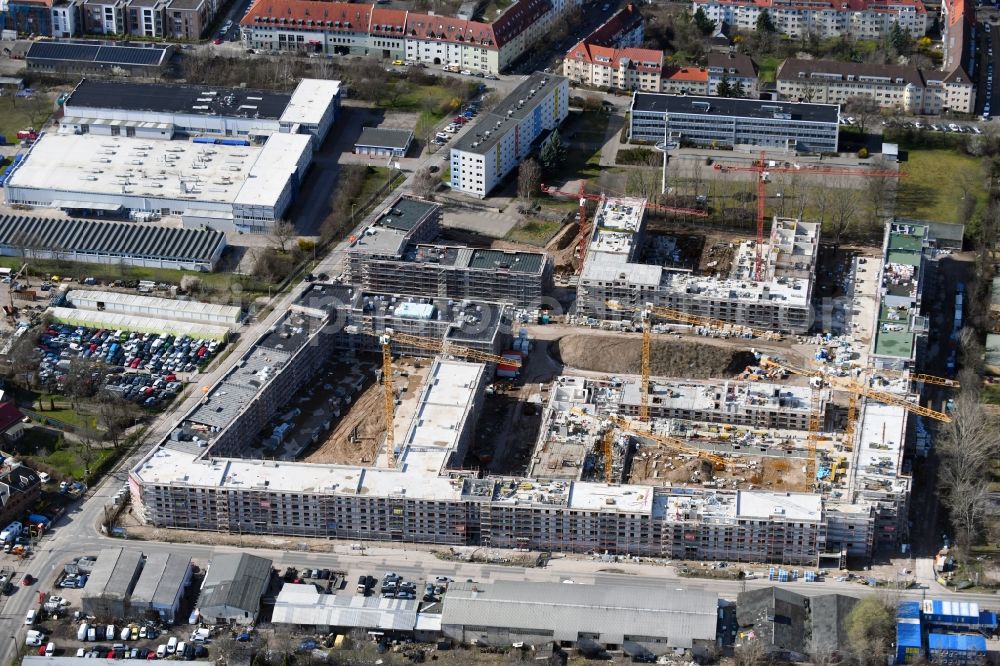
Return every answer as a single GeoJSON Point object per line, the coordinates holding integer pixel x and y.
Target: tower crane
{"type": "Point", "coordinates": [584, 197]}
{"type": "Point", "coordinates": [851, 386]}
{"type": "Point", "coordinates": [386, 339]}
{"type": "Point", "coordinates": [763, 172]}
{"type": "Point", "coordinates": [918, 377]}
{"type": "Point", "coordinates": [647, 344]}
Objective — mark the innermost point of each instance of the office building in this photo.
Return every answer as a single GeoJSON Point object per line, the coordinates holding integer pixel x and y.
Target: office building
{"type": "Point", "coordinates": [502, 138]}
{"type": "Point", "coordinates": [867, 19]}
{"type": "Point", "coordinates": [395, 255]}
{"type": "Point", "coordinates": [716, 121]}
{"type": "Point", "coordinates": [901, 88]}
{"type": "Point", "coordinates": [338, 28]}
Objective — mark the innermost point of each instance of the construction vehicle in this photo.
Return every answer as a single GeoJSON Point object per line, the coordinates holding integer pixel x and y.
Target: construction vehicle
{"type": "Point", "coordinates": [851, 386]}
{"type": "Point", "coordinates": [584, 197]}
{"type": "Point", "coordinates": [386, 338]}
{"type": "Point", "coordinates": [764, 171]}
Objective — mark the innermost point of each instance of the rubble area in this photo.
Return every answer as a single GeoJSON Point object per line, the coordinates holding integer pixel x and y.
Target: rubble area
{"type": "Point", "coordinates": [669, 357]}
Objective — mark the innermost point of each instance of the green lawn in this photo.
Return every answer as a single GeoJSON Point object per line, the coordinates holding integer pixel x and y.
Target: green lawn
{"type": "Point", "coordinates": [768, 67]}
{"type": "Point", "coordinates": [935, 184]}
{"type": "Point", "coordinates": [45, 447]}
{"type": "Point", "coordinates": [19, 113]}
{"type": "Point", "coordinates": [534, 232]}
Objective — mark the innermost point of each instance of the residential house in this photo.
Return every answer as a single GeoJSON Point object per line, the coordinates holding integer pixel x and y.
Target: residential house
{"type": "Point", "coordinates": [622, 30]}
{"type": "Point", "coordinates": [20, 488]}
{"type": "Point", "coordinates": [146, 18]}
{"type": "Point", "coordinates": [622, 69]}
{"type": "Point", "coordinates": [958, 19]}
{"type": "Point", "coordinates": [186, 19]}
{"type": "Point", "coordinates": [104, 17]}
{"type": "Point", "coordinates": [684, 81]}
{"type": "Point", "coordinates": [67, 18]}
{"type": "Point", "coordinates": [737, 69]}
{"type": "Point", "coordinates": [861, 19]}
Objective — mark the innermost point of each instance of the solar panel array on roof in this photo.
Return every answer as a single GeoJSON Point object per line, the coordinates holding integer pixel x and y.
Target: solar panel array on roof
{"type": "Point", "coordinates": [116, 238]}
{"type": "Point", "coordinates": [110, 55]}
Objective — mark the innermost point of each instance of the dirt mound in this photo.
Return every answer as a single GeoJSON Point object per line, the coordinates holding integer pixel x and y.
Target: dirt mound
{"type": "Point", "coordinates": [670, 358]}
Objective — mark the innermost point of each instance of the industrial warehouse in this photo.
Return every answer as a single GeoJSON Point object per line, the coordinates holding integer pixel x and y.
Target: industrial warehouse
{"type": "Point", "coordinates": [230, 160]}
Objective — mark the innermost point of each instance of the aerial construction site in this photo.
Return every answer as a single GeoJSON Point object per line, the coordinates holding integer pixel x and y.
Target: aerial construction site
{"type": "Point", "coordinates": [689, 405]}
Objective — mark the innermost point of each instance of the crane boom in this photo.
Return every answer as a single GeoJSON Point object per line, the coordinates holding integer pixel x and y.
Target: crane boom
{"type": "Point", "coordinates": [608, 443]}
{"type": "Point", "coordinates": [644, 379]}
{"type": "Point", "coordinates": [451, 349]}
{"type": "Point", "coordinates": [390, 401]}
{"type": "Point", "coordinates": [852, 386]}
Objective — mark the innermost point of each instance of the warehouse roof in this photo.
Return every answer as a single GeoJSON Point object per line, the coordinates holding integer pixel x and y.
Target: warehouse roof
{"type": "Point", "coordinates": [99, 53]}
{"type": "Point", "coordinates": [113, 574]}
{"type": "Point", "coordinates": [196, 100]}
{"type": "Point", "coordinates": [115, 238]}
{"type": "Point", "coordinates": [184, 310]}
{"type": "Point", "coordinates": [161, 579]}
{"type": "Point", "coordinates": [235, 580]}
{"type": "Point", "coordinates": [681, 616]}
{"type": "Point", "coordinates": [379, 137]}
{"type": "Point", "coordinates": [304, 605]}
{"type": "Point", "coordinates": [956, 643]}
{"type": "Point", "coordinates": [778, 617]}
{"type": "Point", "coordinates": [490, 127]}
{"type": "Point", "coordinates": [310, 100]}
{"type": "Point", "coordinates": [724, 106]}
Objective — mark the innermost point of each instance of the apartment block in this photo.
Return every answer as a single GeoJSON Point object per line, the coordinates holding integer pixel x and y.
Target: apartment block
{"type": "Point", "coordinates": [146, 18]}
{"type": "Point", "coordinates": [900, 88]}
{"type": "Point", "coordinates": [623, 30]}
{"type": "Point", "coordinates": [611, 272]}
{"type": "Point", "coordinates": [368, 30]}
{"type": "Point", "coordinates": [67, 18]}
{"type": "Point", "coordinates": [501, 139]}
{"type": "Point", "coordinates": [736, 69]}
{"type": "Point", "coordinates": [105, 17]}
{"type": "Point", "coordinates": [622, 69]}
{"type": "Point", "coordinates": [717, 121]}
{"type": "Point", "coordinates": [187, 19]}
{"type": "Point", "coordinates": [901, 330]}
{"type": "Point", "coordinates": [684, 81]}
{"type": "Point", "coordinates": [26, 17]}
{"type": "Point", "coordinates": [958, 27]}
{"type": "Point", "coordinates": [866, 19]}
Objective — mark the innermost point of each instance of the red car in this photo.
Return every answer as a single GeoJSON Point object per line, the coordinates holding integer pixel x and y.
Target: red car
{"type": "Point", "coordinates": [216, 41]}
{"type": "Point", "coordinates": [27, 580]}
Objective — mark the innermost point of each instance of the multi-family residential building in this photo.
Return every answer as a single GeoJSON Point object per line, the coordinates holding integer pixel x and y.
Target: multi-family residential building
{"type": "Point", "coordinates": [66, 18]}
{"type": "Point", "coordinates": [517, 127]}
{"type": "Point", "coordinates": [707, 121]}
{"type": "Point", "coordinates": [612, 272]}
{"type": "Point", "coordinates": [861, 19]}
{"type": "Point", "coordinates": [186, 19]}
{"type": "Point", "coordinates": [26, 17]}
{"type": "Point", "coordinates": [684, 81]}
{"type": "Point", "coordinates": [736, 69]}
{"type": "Point", "coordinates": [901, 88]}
{"type": "Point", "coordinates": [622, 30]}
{"type": "Point", "coordinates": [367, 30]}
{"type": "Point", "coordinates": [105, 17]}
{"type": "Point", "coordinates": [958, 27]}
{"type": "Point", "coordinates": [146, 18]}
{"type": "Point", "coordinates": [622, 69]}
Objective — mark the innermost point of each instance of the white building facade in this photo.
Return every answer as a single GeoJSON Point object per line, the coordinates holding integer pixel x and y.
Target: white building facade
{"type": "Point", "coordinates": [502, 138]}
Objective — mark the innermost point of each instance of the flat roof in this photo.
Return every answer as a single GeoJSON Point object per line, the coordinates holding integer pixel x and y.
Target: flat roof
{"type": "Point", "coordinates": [880, 444]}
{"type": "Point", "coordinates": [508, 260]}
{"type": "Point", "coordinates": [116, 166]}
{"type": "Point", "coordinates": [519, 104]}
{"type": "Point", "coordinates": [378, 137]}
{"type": "Point", "coordinates": [302, 604]}
{"type": "Point", "coordinates": [309, 101]}
{"type": "Point", "coordinates": [735, 107]}
{"type": "Point", "coordinates": [162, 578]}
{"type": "Point", "coordinates": [130, 239]}
{"type": "Point", "coordinates": [183, 309]}
{"type": "Point", "coordinates": [99, 53]}
{"type": "Point", "coordinates": [181, 99]}
{"type": "Point", "coordinates": [785, 506]}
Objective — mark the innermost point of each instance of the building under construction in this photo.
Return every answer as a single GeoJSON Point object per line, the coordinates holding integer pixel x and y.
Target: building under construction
{"type": "Point", "coordinates": [394, 256]}
{"type": "Point", "coordinates": [779, 301]}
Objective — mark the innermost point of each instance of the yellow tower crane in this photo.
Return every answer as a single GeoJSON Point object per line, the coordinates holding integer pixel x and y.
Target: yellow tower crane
{"type": "Point", "coordinates": [386, 339]}
{"type": "Point", "coordinates": [644, 377]}
{"type": "Point", "coordinates": [851, 386]}
{"type": "Point", "coordinates": [607, 443]}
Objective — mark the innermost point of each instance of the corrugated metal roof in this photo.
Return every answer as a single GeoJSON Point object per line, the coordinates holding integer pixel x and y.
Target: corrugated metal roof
{"type": "Point", "coordinates": [131, 239]}
{"type": "Point", "coordinates": [303, 604]}
{"type": "Point", "coordinates": [908, 634]}
{"type": "Point", "coordinates": [235, 581]}
{"type": "Point", "coordinates": [908, 609]}
{"type": "Point", "coordinates": [113, 574]}
{"type": "Point", "coordinates": [160, 580]}
{"type": "Point", "coordinates": [613, 612]}
{"type": "Point", "coordinates": [962, 610]}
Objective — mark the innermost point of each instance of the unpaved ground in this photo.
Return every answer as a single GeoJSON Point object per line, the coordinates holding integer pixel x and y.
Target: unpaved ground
{"type": "Point", "coordinates": [357, 436]}
{"type": "Point", "coordinates": [669, 358]}
{"type": "Point", "coordinates": [658, 467]}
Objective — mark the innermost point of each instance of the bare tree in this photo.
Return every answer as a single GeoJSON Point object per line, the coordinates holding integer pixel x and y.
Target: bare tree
{"type": "Point", "coordinates": [751, 653]}
{"type": "Point", "coordinates": [880, 193]}
{"type": "Point", "coordinates": [643, 183]}
{"type": "Point", "coordinates": [842, 210]}
{"type": "Point", "coordinates": [821, 199]}
{"type": "Point", "coordinates": [863, 109]}
{"type": "Point", "coordinates": [529, 178]}
{"type": "Point", "coordinates": [116, 416]}
{"type": "Point", "coordinates": [424, 183]}
{"type": "Point", "coordinates": [282, 233]}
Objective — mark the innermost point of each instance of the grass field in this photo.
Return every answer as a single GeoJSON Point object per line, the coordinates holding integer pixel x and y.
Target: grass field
{"type": "Point", "coordinates": [41, 445]}
{"type": "Point", "coordinates": [534, 232]}
{"type": "Point", "coordinates": [936, 183]}
{"type": "Point", "coordinates": [768, 68]}
{"type": "Point", "coordinates": [20, 113]}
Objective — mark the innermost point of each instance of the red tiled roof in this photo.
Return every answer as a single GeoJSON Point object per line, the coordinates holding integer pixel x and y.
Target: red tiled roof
{"type": "Point", "coordinates": [623, 21]}
{"type": "Point", "coordinates": [345, 17]}
{"type": "Point", "coordinates": [690, 74]}
{"type": "Point", "coordinates": [610, 57]}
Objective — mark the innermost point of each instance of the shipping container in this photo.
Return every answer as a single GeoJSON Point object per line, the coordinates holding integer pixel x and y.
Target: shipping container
{"type": "Point", "coordinates": [203, 139]}
{"type": "Point", "coordinates": [909, 643]}
{"type": "Point", "coordinates": [959, 649]}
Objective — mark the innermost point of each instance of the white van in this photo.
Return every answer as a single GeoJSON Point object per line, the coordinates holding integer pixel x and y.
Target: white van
{"type": "Point", "coordinates": [109, 633]}
{"type": "Point", "coordinates": [161, 651]}
{"type": "Point", "coordinates": [200, 635]}
{"type": "Point", "coordinates": [34, 638]}
{"type": "Point", "coordinates": [180, 648]}
{"type": "Point", "coordinates": [29, 617]}
{"type": "Point", "coordinates": [172, 645]}
{"type": "Point", "coordinates": [126, 633]}
{"type": "Point", "coordinates": [81, 633]}
{"type": "Point", "coordinates": [50, 649]}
